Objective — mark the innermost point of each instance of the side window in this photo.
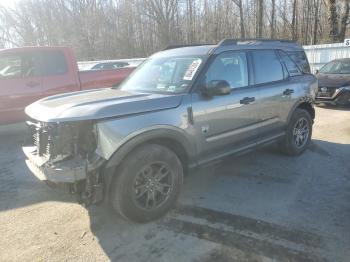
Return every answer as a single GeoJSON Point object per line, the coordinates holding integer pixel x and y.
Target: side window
{"type": "Point", "coordinates": [51, 63]}
{"type": "Point", "coordinates": [122, 64]}
{"type": "Point", "coordinates": [19, 66]}
{"type": "Point", "coordinates": [231, 67]}
{"type": "Point", "coordinates": [10, 66]}
{"type": "Point", "coordinates": [291, 66]}
{"type": "Point", "coordinates": [300, 58]}
{"type": "Point", "coordinates": [267, 67]}
{"type": "Point", "coordinates": [30, 65]}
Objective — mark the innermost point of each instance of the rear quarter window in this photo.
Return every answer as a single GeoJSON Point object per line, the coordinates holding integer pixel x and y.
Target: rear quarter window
{"type": "Point", "coordinates": [300, 58]}
{"type": "Point", "coordinates": [292, 68]}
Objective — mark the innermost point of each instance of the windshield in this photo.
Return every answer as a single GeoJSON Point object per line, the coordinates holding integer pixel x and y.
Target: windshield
{"type": "Point", "coordinates": [164, 74]}
{"type": "Point", "coordinates": [336, 67]}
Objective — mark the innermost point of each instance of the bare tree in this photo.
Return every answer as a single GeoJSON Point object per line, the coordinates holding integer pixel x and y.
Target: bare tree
{"type": "Point", "coordinates": [163, 13]}
{"type": "Point", "coordinates": [337, 19]}
{"type": "Point", "coordinates": [333, 19]}
{"type": "Point", "coordinates": [241, 16]}
{"type": "Point", "coordinates": [259, 18]}
{"type": "Point", "coordinates": [294, 20]}
{"type": "Point", "coordinates": [103, 29]}
{"type": "Point", "coordinates": [316, 21]}
{"type": "Point", "coordinates": [344, 20]}
{"type": "Point", "coordinates": [273, 18]}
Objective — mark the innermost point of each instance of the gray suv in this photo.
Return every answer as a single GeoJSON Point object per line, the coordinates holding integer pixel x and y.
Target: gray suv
{"type": "Point", "coordinates": [183, 107]}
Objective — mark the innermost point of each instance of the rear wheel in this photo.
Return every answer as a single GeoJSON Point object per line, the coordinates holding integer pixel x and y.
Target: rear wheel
{"type": "Point", "coordinates": [298, 134]}
{"type": "Point", "coordinates": [148, 183]}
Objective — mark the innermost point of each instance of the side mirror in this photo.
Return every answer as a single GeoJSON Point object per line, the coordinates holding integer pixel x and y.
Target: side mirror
{"type": "Point", "coordinates": [217, 88]}
{"type": "Point", "coordinates": [317, 71]}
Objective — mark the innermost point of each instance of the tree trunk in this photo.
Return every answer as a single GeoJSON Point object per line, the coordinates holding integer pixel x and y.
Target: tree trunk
{"type": "Point", "coordinates": [273, 19]}
{"type": "Point", "coordinates": [343, 21]}
{"type": "Point", "coordinates": [332, 20]}
{"type": "Point", "coordinates": [284, 19]}
{"type": "Point", "coordinates": [241, 16]}
{"type": "Point", "coordinates": [259, 19]}
{"type": "Point", "coordinates": [190, 26]}
{"type": "Point", "coordinates": [241, 19]}
{"type": "Point", "coordinates": [314, 38]}
{"type": "Point", "coordinates": [307, 22]}
{"type": "Point", "coordinates": [294, 18]}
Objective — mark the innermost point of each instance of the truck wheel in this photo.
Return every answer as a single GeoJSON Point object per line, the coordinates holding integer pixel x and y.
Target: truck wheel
{"type": "Point", "coordinates": [298, 134]}
{"type": "Point", "coordinates": [147, 183]}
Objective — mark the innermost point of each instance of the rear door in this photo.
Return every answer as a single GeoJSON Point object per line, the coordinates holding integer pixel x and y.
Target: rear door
{"type": "Point", "coordinates": [58, 76]}
{"type": "Point", "coordinates": [276, 90]}
{"type": "Point", "coordinates": [20, 85]}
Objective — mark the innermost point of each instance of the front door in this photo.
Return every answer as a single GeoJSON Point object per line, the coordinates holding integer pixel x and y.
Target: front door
{"type": "Point", "coordinates": [228, 122]}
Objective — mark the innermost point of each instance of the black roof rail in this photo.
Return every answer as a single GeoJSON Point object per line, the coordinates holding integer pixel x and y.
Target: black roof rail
{"type": "Point", "coordinates": [226, 42]}
{"type": "Point", "coordinates": [233, 41]}
{"type": "Point", "coordinates": [179, 46]}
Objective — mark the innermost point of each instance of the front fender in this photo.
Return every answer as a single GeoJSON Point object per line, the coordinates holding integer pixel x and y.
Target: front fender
{"type": "Point", "coordinates": [153, 133]}
{"type": "Point", "coordinates": [136, 139]}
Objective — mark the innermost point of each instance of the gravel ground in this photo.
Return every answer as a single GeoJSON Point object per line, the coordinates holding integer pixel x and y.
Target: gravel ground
{"type": "Point", "coordinates": [262, 206]}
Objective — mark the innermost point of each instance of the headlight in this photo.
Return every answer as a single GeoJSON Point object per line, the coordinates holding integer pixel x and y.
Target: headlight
{"type": "Point", "coordinates": [87, 142]}
{"type": "Point", "coordinates": [75, 138]}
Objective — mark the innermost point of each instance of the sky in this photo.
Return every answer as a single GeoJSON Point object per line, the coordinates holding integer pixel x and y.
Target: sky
{"type": "Point", "coordinates": [8, 3]}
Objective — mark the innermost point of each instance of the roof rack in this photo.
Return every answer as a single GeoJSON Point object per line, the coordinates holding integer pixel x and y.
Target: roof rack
{"type": "Point", "coordinates": [226, 42]}
{"type": "Point", "coordinates": [246, 43]}
{"type": "Point", "coordinates": [179, 46]}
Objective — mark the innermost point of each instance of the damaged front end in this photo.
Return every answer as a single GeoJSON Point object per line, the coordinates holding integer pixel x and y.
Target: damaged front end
{"type": "Point", "coordinates": [64, 155]}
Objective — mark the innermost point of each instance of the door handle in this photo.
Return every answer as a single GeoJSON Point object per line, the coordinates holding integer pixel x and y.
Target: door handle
{"type": "Point", "coordinates": [288, 92]}
{"type": "Point", "coordinates": [247, 100]}
{"type": "Point", "coordinates": [32, 84]}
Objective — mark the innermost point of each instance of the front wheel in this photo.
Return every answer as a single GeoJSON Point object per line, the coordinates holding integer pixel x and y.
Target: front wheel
{"type": "Point", "coordinates": [147, 183]}
{"type": "Point", "coordinates": [299, 132]}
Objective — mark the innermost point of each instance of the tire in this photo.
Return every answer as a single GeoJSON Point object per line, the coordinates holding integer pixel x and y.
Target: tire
{"type": "Point", "coordinates": [138, 191]}
{"type": "Point", "coordinates": [343, 100]}
{"type": "Point", "coordinates": [295, 144]}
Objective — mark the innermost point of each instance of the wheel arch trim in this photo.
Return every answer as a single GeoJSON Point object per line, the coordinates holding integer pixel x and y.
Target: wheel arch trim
{"type": "Point", "coordinates": [302, 101]}
{"type": "Point", "coordinates": [134, 140]}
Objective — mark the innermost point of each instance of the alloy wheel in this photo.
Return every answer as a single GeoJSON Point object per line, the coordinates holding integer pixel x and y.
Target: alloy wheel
{"type": "Point", "coordinates": [153, 185]}
{"type": "Point", "coordinates": [301, 132]}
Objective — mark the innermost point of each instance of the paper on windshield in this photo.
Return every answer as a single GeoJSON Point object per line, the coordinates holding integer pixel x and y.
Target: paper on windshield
{"type": "Point", "coordinates": [192, 69]}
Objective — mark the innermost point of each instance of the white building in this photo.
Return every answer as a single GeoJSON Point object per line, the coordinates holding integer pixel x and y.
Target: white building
{"type": "Point", "coordinates": [319, 55]}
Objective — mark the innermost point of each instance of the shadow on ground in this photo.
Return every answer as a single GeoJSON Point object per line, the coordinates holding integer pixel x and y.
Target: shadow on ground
{"type": "Point", "coordinates": [259, 206]}
{"type": "Point", "coordinates": [18, 187]}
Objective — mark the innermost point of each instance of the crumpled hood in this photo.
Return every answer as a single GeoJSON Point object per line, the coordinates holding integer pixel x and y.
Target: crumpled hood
{"type": "Point", "coordinates": [98, 104]}
{"type": "Point", "coordinates": [333, 80]}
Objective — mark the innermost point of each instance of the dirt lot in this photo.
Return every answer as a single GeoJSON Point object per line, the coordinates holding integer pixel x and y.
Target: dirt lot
{"type": "Point", "coordinates": [259, 207]}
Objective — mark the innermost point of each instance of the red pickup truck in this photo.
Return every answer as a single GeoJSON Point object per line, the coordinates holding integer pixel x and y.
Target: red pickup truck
{"type": "Point", "coordinates": [30, 73]}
